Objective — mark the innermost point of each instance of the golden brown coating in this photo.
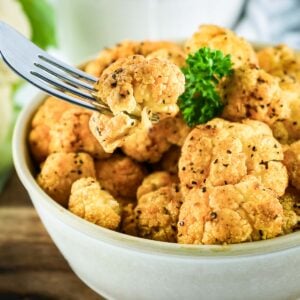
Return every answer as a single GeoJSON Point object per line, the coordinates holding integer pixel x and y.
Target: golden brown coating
{"type": "Point", "coordinates": [253, 93]}
{"type": "Point", "coordinates": [120, 175]}
{"type": "Point", "coordinates": [153, 182]}
{"type": "Point", "coordinates": [136, 84]}
{"type": "Point", "coordinates": [60, 170]}
{"type": "Point", "coordinates": [292, 163]}
{"type": "Point", "coordinates": [71, 133]}
{"type": "Point", "coordinates": [90, 202]}
{"type": "Point", "coordinates": [127, 48]}
{"type": "Point", "coordinates": [157, 214]}
{"type": "Point", "coordinates": [222, 152]}
{"type": "Point", "coordinates": [128, 222]}
{"type": "Point", "coordinates": [175, 55]}
{"type": "Point", "coordinates": [284, 63]}
{"type": "Point", "coordinates": [47, 115]}
{"type": "Point", "coordinates": [290, 202]}
{"type": "Point", "coordinates": [169, 161]}
{"type": "Point", "coordinates": [229, 214]}
{"type": "Point", "coordinates": [223, 39]}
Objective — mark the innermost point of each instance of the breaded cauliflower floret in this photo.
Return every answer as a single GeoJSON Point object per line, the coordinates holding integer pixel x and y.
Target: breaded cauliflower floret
{"type": "Point", "coordinates": [72, 134]}
{"type": "Point", "coordinates": [253, 93]}
{"type": "Point", "coordinates": [154, 182]}
{"type": "Point", "coordinates": [128, 222]}
{"type": "Point", "coordinates": [128, 48]}
{"type": "Point", "coordinates": [290, 202]}
{"type": "Point", "coordinates": [47, 115]}
{"type": "Point", "coordinates": [229, 214]}
{"type": "Point", "coordinates": [284, 63]}
{"type": "Point", "coordinates": [157, 214]}
{"type": "Point", "coordinates": [120, 175]}
{"type": "Point", "coordinates": [60, 170]}
{"type": "Point", "coordinates": [90, 202]}
{"type": "Point", "coordinates": [292, 163]}
{"type": "Point", "coordinates": [222, 152]}
{"type": "Point", "coordinates": [228, 42]}
{"type": "Point", "coordinates": [175, 55]}
{"type": "Point", "coordinates": [136, 84]}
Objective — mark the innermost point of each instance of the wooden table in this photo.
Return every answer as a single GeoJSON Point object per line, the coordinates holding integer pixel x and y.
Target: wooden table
{"type": "Point", "coordinates": [31, 267]}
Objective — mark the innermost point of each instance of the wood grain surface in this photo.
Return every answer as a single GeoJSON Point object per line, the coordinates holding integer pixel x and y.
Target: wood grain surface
{"type": "Point", "coordinates": [31, 267]}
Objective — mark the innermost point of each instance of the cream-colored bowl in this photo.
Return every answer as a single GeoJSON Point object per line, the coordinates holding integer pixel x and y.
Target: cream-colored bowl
{"type": "Point", "coordinates": [118, 266]}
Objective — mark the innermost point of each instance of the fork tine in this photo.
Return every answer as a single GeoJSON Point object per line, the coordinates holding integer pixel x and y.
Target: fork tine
{"type": "Point", "coordinates": [63, 86]}
{"type": "Point", "coordinates": [66, 78]}
{"type": "Point", "coordinates": [71, 70]}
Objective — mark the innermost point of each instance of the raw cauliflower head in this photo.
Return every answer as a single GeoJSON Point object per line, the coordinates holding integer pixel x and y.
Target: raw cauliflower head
{"type": "Point", "coordinates": [60, 170]}
{"type": "Point", "coordinates": [222, 152]}
{"type": "Point", "coordinates": [90, 202]}
{"type": "Point", "coordinates": [253, 93]}
{"type": "Point", "coordinates": [283, 63]}
{"type": "Point", "coordinates": [216, 37]}
{"type": "Point", "coordinates": [233, 213]}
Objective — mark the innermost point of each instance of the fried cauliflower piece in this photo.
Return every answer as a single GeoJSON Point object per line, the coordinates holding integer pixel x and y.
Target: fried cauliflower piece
{"type": "Point", "coordinates": [128, 48]}
{"type": "Point", "coordinates": [282, 62]}
{"type": "Point", "coordinates": [47, 115]}
{"type": "Point", "coordinates": [253, 93]}
{"type": "Point", "coordinates": [71, 133]}
{"type": "Point", "coordinates": [222, 152]}
{"type": "Point", "coordinates": [290, 202]}
{"type": "Point", "coordinates": [292, 163]}
{"type": "Point", "coordinates": [136, 84]}
{"type": "Point", "coordinates": [128, 222]}
{"type": "Point", "coordinates": [120, 175]}
{"type": "Point", "coordinates": [153, 182]}
{"type": "Point", "coordinates": [228, 42]}
{"type": "Point", "coordinates": [245, 211]}
{"type": "Point", "coordinates": [90, 202]}
{"type": "Point", "coordinates": [157, 214]}
{"type": "Point", "coordinates": [60, 170]}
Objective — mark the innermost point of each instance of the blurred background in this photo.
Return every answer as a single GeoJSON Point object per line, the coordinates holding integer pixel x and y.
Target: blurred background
{"type": "Point", "coordinates": [74, 30]}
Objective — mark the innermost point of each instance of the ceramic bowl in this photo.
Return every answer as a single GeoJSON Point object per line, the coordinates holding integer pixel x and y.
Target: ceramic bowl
{"type": "Point", "coordinates": [119, 266]}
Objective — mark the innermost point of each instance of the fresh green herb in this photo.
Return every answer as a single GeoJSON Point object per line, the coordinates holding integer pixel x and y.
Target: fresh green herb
{"type": "Point", "coordinates": [204, 69]}
{"type": "Point", "coordinates": [41, 18]}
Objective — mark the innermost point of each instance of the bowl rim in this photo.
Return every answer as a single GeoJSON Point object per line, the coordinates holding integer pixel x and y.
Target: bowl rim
{"type": "Point", "coordinates": [219, 252]}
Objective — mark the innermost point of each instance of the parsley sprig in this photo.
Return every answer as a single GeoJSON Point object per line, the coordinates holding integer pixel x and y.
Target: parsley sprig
{"type": "Point", "coordinates": [203, 71]}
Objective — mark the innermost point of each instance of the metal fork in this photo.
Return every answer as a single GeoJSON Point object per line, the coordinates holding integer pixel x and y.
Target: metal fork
{"type": "Point", "coordinates": [48, 73]}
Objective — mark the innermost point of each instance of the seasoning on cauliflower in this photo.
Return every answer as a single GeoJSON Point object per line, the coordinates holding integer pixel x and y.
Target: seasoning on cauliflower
{"type": "Point", "coordinates": [153, 182]}
{"type": "Point", "coordinates": [90, 202]}
{"type": "Point", "coordinates": [222, 152]}
{"type": "Point", "coordinates": [71, 133]}
{"type": "Point", "coordinates": [157, 214]}
{"type": "Point", "coordinates": [128, 48]}
{"type": "Point", "coordinates": [218, 38]}
{"type": "Point", "coordinates": [46, 116]}
{"type": "Point", "coordinates": [290, 202]}
{"type": "Point", "coordinates": [253, 93]}
{"type": "Point", "coordinates": [120, 175]}
{"type": "Point", "coordinates": [284, 63]}
{"type": "Point", "coordinates": [60, 170]}
{"type": "Point", "coordinates": [228, 214]}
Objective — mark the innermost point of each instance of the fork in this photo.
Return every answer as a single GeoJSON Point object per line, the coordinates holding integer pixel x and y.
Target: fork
{"type": "Point", "coordinates": [48, 73]}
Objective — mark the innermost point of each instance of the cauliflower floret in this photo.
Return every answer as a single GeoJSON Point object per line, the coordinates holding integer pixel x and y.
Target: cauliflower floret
{"type": "Point", "coordinates": [90, 202]}
{"type": "Point", "coordinates": [253, 93]}
{"type": "Point", "coordinates": [290, 202]}
{"type": "Point", "coordinates": [153, 182]}
{"type": "Point", "coordinates": [292, 163]}
{"type": "Point", "coordinates": [60, 170]}
{"type": "Point", "coordinates": [120, 175]}
{"type": "Point", "coordinates": [128, 222]}
{"type": "Point", "coordinates": [127, 48]}
{"type": "Point", "coordinates": [72, 134]}
{"type": "Point", "coordinates": [175, 55]}
{"type": "Point", "coordinates": [136, 84]}
{"type": "Point", "coordinates": [229, 214]}
{"type": "Point", "coordinates": [284, 63]}
{"type": "Point", "coordinates": [157, 214]}
{"type": "Point", "coordinates": [46, 116]}
{"type": "Point", "coordinates": [228, 42]}
{"type": "Point", "coordinates": [222, 152]}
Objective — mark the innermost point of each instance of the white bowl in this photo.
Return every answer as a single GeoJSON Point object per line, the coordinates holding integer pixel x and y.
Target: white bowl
{"type": "Point", "coordinates": [119, 266]}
